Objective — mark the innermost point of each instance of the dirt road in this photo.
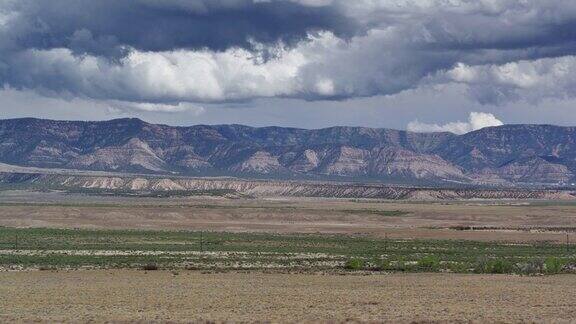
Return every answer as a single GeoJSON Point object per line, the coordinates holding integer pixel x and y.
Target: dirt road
{"type": "Point", "coordinates": [121, 295]}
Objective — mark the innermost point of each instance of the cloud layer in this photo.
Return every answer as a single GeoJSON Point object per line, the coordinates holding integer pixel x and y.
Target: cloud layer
{"type": "Point", "coordinates": [200, 51]}
{"type": "Point", "coordinates": [476, 121]}
{"type": "Point", "coordinates": [524, 80]}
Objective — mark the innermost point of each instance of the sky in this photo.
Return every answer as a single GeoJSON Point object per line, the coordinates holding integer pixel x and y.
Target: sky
{"type": "Point", "coordinates": [421, 65]}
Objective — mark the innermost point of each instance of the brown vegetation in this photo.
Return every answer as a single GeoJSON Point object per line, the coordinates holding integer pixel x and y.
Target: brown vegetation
{"type": "Point", "coordinates": [484, 221]}
{"type": "Point", "coordinates": [160, 295]}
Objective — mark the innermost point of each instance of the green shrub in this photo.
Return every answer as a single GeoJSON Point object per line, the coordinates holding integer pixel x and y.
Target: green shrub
{"type": "Point", "coordinates": [429, 263]}
{"type": "Point", "coordinates": [501, 266]}
{"type": "Point", "coordinates": [384, 265]}
{"type": "Point", "coordinates": [398, 265]}
{"type": "Point", "coordinates": [377, 264]}
{"type": "Point", "coordinates": [355, 264]}
{"type": "Point", "coordinates": [553, 265]}
{"type": "Point", "coordinates": [494, 266]}
{"type": "Point", "coordinates": [481, 265]}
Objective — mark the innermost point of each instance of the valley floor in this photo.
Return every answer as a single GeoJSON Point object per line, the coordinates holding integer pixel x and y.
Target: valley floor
{"type": "Point", "coordinates": [79, 258]}
{"type": "Point", "coordinates": [477, 220]}
{"type": "Point", "coordinates": [134, 296]}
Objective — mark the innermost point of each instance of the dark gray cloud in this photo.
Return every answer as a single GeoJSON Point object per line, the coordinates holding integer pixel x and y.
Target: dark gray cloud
{"type": "Point", "coordinates": [174, 51]}
{"type": "Point", "coordinates": [104, 27]}
{"type": "Point", "coordinates": [95, 27]}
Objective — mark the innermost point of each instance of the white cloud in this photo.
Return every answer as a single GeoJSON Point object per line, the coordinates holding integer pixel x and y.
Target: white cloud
{"type": "Point", "coordinates": [165, 77]}
{"type": "Point", "coordinates": [385, 47]}
{"type": "Point", "coordinates": [476, 120]}
{"type": "Point", "coordinates": [323, 67]}
{"type": "Point", "coordinates": [529, 81]}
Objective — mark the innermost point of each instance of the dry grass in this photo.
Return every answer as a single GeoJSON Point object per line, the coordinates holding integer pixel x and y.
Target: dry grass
{"type": "Point", "coordinates": [102, 296]}
{"type": "Point", "coordinates": [504, 221]}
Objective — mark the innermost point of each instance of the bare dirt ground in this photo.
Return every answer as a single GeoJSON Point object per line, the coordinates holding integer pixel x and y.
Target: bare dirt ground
{"type": "Point", "coordinates": [121, 295]}
{"type": "Point", "coordinates": [505, 220]}
{"type": "Point", "coordinates": [160, 296]}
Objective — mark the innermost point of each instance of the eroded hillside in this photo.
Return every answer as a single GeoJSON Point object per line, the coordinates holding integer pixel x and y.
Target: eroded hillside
{"type": "Point", "coordinates": [264, 188]}
{"type": "Point", "coordinates": [512, 154]}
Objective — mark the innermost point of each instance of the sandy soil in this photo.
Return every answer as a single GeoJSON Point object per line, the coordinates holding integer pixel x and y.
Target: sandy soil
{"type": "Point", "coordinates": [518, 222]}
{"type": "Point", "coordinates": [122, 295]}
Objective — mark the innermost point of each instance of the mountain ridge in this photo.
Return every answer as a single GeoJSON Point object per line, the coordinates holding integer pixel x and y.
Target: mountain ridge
{"type": "Point", "coordinates": [508, 154]}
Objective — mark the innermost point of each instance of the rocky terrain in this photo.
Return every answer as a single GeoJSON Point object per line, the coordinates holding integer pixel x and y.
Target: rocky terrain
{"type": "Point", "coordinates": [506, 155]}
{"type": "Point", "coordinates": [264, 188]}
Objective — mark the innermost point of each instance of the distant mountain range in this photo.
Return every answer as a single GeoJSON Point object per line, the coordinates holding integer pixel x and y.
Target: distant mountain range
{"type": "Point", "coordinates": [510, 154]}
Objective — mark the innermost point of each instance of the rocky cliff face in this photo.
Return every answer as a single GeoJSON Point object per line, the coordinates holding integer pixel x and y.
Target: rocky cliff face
{"type": "Point", "coordinates": [507, 154]}
{"type": "Point", "coordinates": [136, 184]}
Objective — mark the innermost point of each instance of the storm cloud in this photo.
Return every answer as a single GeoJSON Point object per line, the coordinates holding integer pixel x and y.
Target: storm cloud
{"type": "Point", "coordinates": [204, 51]}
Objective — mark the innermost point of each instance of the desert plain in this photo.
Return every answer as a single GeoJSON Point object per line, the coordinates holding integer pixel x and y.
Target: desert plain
{"type": "Point", "coordinates": [79, 258]}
